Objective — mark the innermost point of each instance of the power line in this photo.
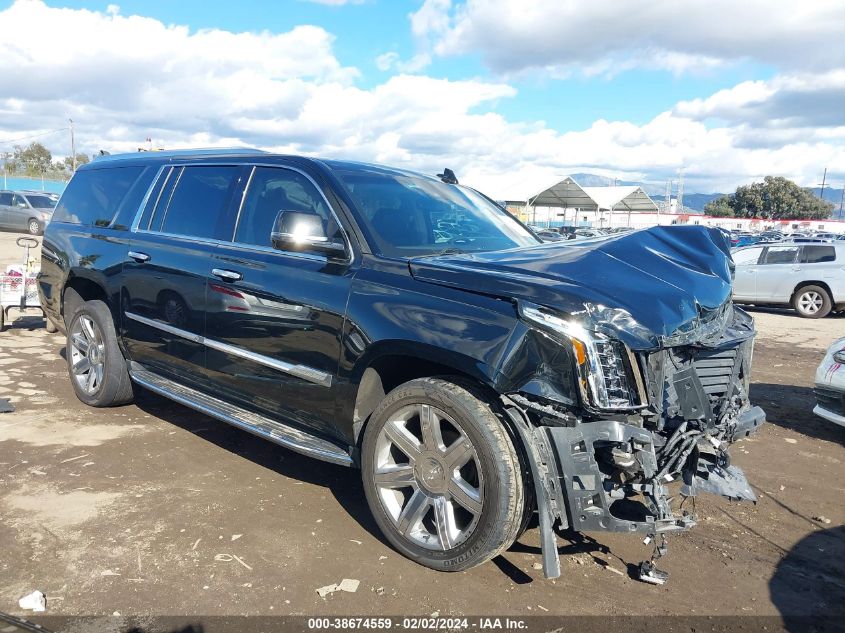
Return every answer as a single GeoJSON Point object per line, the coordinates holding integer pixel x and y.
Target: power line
{"type": "Point", "coordinates": [24, 138]}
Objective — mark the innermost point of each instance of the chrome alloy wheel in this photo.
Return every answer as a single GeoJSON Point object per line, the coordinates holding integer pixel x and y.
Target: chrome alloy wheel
{"type": "Point", "coordinates": [87, 354]}
{"type": "Point", "coordinates": [428, 477]}
{"type": "Point", "coordinates": [810, 302]}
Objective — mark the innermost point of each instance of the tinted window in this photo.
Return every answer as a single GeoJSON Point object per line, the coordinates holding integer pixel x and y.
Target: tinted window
{"type": "Point", "coordinates": [407, 216]}
{"type": "Point", "coordinates": [818, 254]}
{"type": "Point", "coordinates": [780, 255]}
{"type": "Point", "coordinates": [5, 198]}
{"type": "Point", "coordinates": [199, 200]}
{"type": "Point", "coordinates": [94, 196]}
{"type": "Point", "coordinates": [272, 190]}
{"type": "Point", "coordinates": [748, 256]}
{"type": "Point", "coordinates": [41, 202]}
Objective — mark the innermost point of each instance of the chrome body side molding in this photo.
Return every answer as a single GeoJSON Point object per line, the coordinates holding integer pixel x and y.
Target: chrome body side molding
{"type": "Point", "coordinates": [300, 371]}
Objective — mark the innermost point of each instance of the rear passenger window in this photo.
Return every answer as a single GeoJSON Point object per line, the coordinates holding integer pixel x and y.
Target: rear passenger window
{"type": "Point", "coordinates": [780, 255]}
{"type": "Point", "coordinates": [6, 199]}
{"type": "Point", "coordinates": [94, 196]}
{"type": "Point", "coordinates": [198, 202]}
{"type": "Point", "coordinates": [818, 254]}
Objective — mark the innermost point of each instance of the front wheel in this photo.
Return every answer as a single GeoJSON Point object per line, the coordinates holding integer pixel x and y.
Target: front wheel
{"type": "Point", "coordinates": [812, 302]}
{"type": "Point", "coordinates": [95, 363]}
{"type": "Point", "coordinates": [34, 227]}
{"type": "Point", "coordinates": [442, 476]}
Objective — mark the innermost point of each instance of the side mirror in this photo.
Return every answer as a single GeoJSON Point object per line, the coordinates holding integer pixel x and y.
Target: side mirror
{"type": "Point", "coordinates": [294, 230]}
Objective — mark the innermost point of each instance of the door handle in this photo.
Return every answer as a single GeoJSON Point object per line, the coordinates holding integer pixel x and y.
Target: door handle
{"type": "Point", "coordinates": [228, 275]}
{"type": "Point", "coordinates": [139, 257]}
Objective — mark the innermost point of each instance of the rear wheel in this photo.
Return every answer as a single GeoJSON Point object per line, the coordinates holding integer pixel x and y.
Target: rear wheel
{"type": "Point", "coordinates": [812, 302]}
{"type": "Point", "coordinates": [442, 476]}
{"type": "Point", "coordinates": [95, 363]}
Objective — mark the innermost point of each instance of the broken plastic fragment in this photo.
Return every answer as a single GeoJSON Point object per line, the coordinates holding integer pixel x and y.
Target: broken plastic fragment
{"type": "Point", "coordinates": [650, 574]}
{"type": "Point", "coordinates": [35, 601]}
{"type": "Point", "coordinates": [349, 585]}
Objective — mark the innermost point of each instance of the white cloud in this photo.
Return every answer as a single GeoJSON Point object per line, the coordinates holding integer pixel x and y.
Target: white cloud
{"type": "Point", "coordinates": [392, 61]}
{"type": "Point", "coordinates": [607, 36]}
{"type": "Point", "coordinates": [123, 78]}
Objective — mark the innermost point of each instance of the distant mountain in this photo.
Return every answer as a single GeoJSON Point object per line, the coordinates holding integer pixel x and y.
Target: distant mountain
{"type": "Point", "coordinates": [696, 201]}
{"type": "Point", "coordinates": [834, 196]}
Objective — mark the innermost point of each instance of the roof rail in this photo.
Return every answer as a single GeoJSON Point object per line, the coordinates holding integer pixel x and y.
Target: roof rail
{"type": "Point", "coordinates": [179, 153]}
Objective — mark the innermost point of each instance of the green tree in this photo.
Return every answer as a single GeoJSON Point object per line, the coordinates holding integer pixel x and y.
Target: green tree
{"type": "Point", "coordinates": [776, 198]}
{"type": "Point", "coordinates": [719, 207]}
{"type": "Point", "coordinates": [35, 159]}
{"type": "Point", "coordinates": [81, 159]}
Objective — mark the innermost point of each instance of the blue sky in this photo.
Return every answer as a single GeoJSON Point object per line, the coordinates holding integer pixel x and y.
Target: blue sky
{"type": "Point", "coordinates": [364, 31]}
{"type": "Point", "coordinates": [512, 92]}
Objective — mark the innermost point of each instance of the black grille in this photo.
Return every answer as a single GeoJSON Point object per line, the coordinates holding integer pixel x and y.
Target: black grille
{"type": "Point", "coordinates": [833, 401]}
{"type": "Point", "coordinates": [715, 370]}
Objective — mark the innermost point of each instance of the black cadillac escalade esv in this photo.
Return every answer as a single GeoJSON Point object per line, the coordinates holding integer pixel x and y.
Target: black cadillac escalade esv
{"type": "Point", "coordinates": [410, 327]}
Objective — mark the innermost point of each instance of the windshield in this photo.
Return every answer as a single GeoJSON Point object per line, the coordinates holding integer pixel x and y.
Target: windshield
{"type": "Point", "coordinates": [411, 216]}
{"type": "Point", "coordinates": [41, 202]}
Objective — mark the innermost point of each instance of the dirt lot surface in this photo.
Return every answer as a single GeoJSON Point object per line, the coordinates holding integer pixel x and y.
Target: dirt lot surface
{"type": "Point", "coordinates": [155, 509]}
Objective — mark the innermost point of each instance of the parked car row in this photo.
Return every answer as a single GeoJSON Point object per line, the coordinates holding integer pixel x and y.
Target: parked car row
{"type": "Point", "coordinates": [26, 211]}
{"type": "Point", "coordinates": [745, 238]}
{"type": "Point", "coordinates": [556, 234]}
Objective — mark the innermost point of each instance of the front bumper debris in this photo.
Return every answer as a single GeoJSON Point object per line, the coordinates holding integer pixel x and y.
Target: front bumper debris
{"type": "Point", "coordinates": [614, 475]}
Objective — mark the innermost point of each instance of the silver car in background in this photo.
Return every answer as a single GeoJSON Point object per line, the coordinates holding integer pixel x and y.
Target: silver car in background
{"type": "Point", "coordinates": [808, 276]}
{"type": "Point", "coordinates": [26, 211]}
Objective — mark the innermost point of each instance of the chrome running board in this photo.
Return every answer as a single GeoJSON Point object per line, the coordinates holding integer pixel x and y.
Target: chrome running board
{"type": "Point", "coordinates": [277, 432]}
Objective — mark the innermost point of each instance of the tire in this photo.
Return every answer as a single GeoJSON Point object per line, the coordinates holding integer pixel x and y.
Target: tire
{"type": "Point", "coordinates": [33, 226]}
{"type": "Point", "coordinates": [96, 365]}
{"type": "Point", "coordinates": [71, 302]}
{"type": "Point", "coordinates": [467, 487]}
{"type": "Point", "coordinates": [812, 302]}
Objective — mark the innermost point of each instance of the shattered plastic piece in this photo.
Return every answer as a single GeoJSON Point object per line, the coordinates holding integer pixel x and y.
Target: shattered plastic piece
{"type": "Point", "coordinates": [35, 601]}
{"type": "Point", "coordinates": [650, 574]}
{"type": "Point", "coordinates": [728, 481]}
{"type": "Point", "coordinates": [349, 584]}
{"type": "Point", "coordinates": [6, 406]}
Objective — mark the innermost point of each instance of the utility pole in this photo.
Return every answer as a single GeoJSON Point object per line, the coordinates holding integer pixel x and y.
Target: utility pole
{"type": "Point", "coordinates": [72, 147]}
{"type": "Point", "coordinates": [681, 190]}
{"type": "Point", "coordinates": [824, 180]}
{"type": "Point", "coordinates": [842, 201]}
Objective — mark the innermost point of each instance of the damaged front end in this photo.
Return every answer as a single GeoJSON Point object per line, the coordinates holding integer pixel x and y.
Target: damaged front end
{"type": "Point", "coordinates": [626, 375]}
{"type": "Point", "coordinates": [621, 438]}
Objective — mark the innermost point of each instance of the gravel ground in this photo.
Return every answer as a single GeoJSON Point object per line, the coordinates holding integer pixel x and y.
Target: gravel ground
{"type": "Point", "coordinates": [155, 509]}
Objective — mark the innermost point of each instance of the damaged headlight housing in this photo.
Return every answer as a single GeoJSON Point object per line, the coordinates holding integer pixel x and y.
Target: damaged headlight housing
{"type": "Point", "coordinates": [603, 374]}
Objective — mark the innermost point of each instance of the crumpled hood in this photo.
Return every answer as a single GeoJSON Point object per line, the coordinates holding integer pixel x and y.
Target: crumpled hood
{"type": "Point", "coordinates": [664, 278]}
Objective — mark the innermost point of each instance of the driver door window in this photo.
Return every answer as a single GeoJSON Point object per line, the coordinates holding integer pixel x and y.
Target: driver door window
{"type": "Point", "coordinates": [273, 190]}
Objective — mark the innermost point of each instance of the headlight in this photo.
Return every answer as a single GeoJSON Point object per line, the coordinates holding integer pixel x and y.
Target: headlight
{"type": "Point", "coordinates": [839, 356]}
{"type": "Point", "coordinates": [603, 375]}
